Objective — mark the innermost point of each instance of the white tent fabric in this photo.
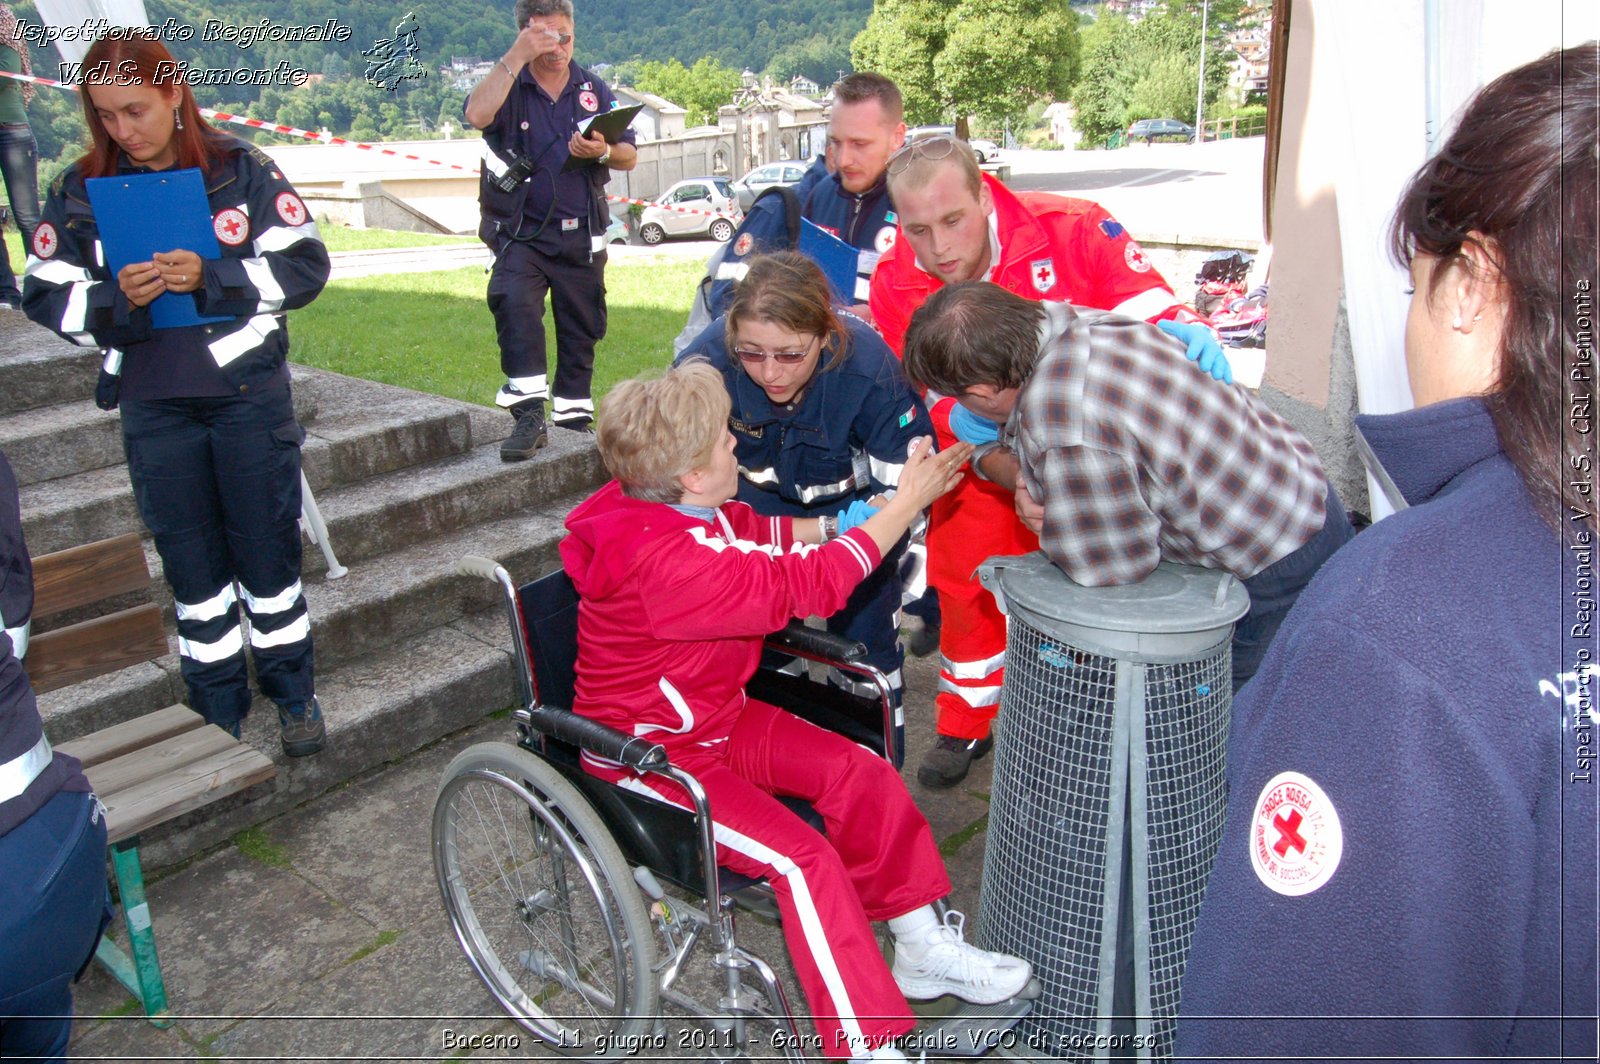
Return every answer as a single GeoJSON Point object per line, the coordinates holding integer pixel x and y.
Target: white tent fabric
{"type": "Point", "coordinates": [76, 13]}
{"type": "Point", "coordinates": [1370, 55]}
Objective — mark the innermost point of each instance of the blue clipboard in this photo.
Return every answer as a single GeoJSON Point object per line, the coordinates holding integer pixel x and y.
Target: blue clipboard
{"type": "Point", "coordinates": [837, 259]}
{"type": "Point", "coordinates": [141, 214]}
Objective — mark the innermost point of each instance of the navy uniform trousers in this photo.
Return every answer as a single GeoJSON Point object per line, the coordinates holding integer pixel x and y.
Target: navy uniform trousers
{"type": "Point", "coordinates": [217, 481]}
{"type": "Point", "coordinates": [53, 905]}
{"type": "Point", "coordinates": [562, 266]}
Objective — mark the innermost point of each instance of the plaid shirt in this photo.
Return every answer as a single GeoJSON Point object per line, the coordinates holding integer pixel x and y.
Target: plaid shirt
{"type": "Point", "coordinates": [1138, 455]}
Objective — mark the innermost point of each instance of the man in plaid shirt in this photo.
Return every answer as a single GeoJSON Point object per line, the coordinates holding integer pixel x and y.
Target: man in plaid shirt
{"type": "Point", "coordinates": [1121, 452]}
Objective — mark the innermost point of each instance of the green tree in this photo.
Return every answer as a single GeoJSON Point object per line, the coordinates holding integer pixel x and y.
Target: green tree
{"type": "Point", "coordinates": [1151, 69]}
{"type": "Point", "coordinates": [1002, 55]}
{"type": "Point", "coordinates": [901, 40]}
{"type": "Point", "coordinates": [818, 57]}
{"type": "Point", "coordinates": [962, 58]}
{"type": "Point", "coordinates": [699, 89]}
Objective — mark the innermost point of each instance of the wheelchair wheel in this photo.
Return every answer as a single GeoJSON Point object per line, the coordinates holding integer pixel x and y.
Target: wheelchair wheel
{"type": "Point", "coordinates": [543, 902]}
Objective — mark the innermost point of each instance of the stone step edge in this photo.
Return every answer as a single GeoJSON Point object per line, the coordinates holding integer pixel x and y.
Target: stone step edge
{"type": "Point", "coordinates": [151, 685]}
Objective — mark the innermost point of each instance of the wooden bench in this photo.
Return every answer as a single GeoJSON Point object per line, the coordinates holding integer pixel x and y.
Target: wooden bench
{"type": "Point", "coordinates": [147, 770]}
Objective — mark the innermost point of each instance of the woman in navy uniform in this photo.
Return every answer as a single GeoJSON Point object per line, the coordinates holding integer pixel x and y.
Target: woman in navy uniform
{"type": "Point", "coordinates": [823, 418]}
{"type": "Point", "coordinates": [52, 835]}
{"type": "Point", "coordinates": [207, 419]}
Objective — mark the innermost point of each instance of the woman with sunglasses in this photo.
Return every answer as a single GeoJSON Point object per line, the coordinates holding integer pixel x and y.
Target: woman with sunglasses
{"type": "Point", "coordinates": [823, 418]}
{"type": "Point", "coordinates": [208, 423]}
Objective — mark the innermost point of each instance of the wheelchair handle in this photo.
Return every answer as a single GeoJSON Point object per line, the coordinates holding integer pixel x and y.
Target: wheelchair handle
{"type": "Point", "coordinates": [472, 565]}
{"type": "Point", "coordinates": [817, 643]}
{"type": "Point", "coordinates": [630, 750]}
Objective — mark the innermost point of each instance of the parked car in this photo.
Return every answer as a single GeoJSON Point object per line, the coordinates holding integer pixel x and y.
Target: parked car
{"type": "Point", "coordinates": [617, 232]}
{"type": "Point", "coordinates": [982, 150]}
{"type": "Point", "coordinates": [987, 151]}
{"type": "Point", "coordinates": [1150, 130]}
{"type": "Point", "coordinates": [757, 181]}
{"type": "Point", "coordinates": [696, 206]}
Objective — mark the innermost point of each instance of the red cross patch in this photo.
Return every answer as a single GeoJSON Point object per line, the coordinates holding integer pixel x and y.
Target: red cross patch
{"type": "Point", "coordinates": [1296, 839]}
{"type": "Point", "coordinates": [884, 240]}
{"type": "Point", "coordinates": [1133, 255]}
{"type": "Point", "coordinates": [1043, 274]}
{"type": "Point", "coordinates": [741, 247]}
{"type": "Point", "coordinates": [590, 101]}
{"type": "Point", "coordinates": [231, 226]}
{"type": "Point", "coordinates": [44, 240]}
{"type": "Point", "coordinates": [290, 209]}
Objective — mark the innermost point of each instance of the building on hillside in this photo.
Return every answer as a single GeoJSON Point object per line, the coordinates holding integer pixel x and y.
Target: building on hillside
{"type": "Point", "coordinates": [1132, 10]}
{"type": "Point", "coordinates": [801, 85]}
{"type": "Point", "coordinates": [1252, 46]}
{"type": "Point", "coordinates": [661, 119]}
{"type": "Point", "coordinates": [463, 72]}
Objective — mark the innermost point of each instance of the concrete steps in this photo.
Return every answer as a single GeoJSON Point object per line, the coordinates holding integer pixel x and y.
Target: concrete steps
{"type": "Point", "coordinates": [406, 650]}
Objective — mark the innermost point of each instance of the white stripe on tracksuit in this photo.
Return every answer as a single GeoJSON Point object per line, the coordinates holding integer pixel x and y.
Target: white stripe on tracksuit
{"type": "Point", "coordinates": [810, 920]}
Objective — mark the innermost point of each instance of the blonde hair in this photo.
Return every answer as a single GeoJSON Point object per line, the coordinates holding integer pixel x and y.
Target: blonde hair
{"type": "Point", "coordinates": [919, 170]}
{"type": "Point", "coordinates": [654, 430]}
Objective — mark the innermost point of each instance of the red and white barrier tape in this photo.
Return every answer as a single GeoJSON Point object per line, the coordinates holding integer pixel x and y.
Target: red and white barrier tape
{"type": "Point", "coordinates": [328, 138]}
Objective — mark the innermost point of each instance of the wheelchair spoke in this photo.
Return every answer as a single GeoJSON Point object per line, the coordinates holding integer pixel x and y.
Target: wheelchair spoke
{"type": "Point", "coordinates": [554, 926]}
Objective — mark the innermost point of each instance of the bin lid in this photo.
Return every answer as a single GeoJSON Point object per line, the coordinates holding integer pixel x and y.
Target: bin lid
{"type": "Point", "coordinates": [1175, 598]}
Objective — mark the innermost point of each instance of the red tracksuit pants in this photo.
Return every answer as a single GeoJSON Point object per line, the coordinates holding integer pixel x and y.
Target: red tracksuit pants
{"type": "Point", "coordinates": [878, 859]}
{"type": "Point", "coordinates": [966, 527]}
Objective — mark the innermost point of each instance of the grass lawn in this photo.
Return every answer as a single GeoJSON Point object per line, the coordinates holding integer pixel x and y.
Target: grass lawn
{"type": "Point", "coordinates": [432, 332]}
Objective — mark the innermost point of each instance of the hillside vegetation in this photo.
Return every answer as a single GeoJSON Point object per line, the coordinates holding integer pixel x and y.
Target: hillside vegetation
{"type": "Point", "coordinates": [765, 35]}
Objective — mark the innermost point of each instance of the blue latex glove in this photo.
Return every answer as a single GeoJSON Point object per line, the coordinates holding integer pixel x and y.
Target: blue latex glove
{"type": "Point", "coordinates": [854, 514]}
{"type": "Point", "coordinates": [970, 428]}
{"type": "Point", "coordinates": [1203, 347]}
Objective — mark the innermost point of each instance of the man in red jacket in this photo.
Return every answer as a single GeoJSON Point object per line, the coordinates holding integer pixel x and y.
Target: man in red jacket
{"type": "Point", "coordinates": [959, 224]}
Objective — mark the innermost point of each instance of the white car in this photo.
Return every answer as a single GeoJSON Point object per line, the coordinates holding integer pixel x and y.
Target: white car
{"type": "Point", "coordinates": [697, 206]}
{"type": "Point", "coordinates": [987, 151]}
{"type": "Point", "coordinates": [983, 150]}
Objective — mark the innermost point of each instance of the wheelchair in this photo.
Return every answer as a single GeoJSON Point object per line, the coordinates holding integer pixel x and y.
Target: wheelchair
{"type": "Point", "coordinates": [552, 878]}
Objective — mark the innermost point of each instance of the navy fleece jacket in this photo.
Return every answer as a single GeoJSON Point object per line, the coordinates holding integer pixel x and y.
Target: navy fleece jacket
{"type": "Point", "coordinates": [1408, 864]}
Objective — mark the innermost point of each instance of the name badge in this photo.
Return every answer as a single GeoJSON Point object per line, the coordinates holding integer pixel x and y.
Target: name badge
{"type": "Point", "coordinates": [569, 224]}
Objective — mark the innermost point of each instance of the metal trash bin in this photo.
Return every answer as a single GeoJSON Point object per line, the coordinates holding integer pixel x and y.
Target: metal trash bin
{"type": "Point", "coordinates": [1108, 796]}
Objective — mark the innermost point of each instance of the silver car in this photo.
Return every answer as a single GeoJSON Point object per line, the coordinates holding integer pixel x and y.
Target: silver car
{"type": "Point", "coordinates": [696, 206]}
{"type": "Point", "coordinates": [757, 181]}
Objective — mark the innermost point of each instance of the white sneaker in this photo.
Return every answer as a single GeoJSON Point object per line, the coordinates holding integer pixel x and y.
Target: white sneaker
{"type": "Point", "coordinates": [950, 965]}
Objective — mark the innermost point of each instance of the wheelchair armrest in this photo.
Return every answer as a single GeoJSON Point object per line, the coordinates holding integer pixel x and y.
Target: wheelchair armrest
{"type": "Point", "coordinates": [816, 643]}
{"type": "Point", "coordinates": [599, 739]}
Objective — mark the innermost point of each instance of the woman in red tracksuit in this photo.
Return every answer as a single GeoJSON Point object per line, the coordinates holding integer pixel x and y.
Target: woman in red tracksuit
{"type": "Point", "coordinates": [679, 584]}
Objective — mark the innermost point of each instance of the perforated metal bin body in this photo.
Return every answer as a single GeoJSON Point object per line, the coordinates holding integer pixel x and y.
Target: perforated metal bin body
{"type": "Point", "coordinates": [1108, 795]}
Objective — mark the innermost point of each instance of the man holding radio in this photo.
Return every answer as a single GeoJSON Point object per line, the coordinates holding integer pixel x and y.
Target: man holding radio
{"type": "Point", "coordinates": [545, 225]}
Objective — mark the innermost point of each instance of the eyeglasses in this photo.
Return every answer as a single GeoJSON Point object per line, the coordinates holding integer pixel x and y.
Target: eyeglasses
{"type": "Point", "coordinates": [935, 147]}
{"type": "Point", "coordinates": [561, 39]}
{"type": "Point", "coordinates": [786, 358]}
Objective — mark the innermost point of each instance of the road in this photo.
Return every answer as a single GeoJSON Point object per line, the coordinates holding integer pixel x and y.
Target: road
{"type": "Point", "coordinates": [1205, 193]}
{"type": "Point", "coordinates": [1192, 190]}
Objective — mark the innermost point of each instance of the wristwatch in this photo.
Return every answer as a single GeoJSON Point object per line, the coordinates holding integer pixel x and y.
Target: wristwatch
{"type": "Point", "coordinates": [829, 526]}
{"type": "Point", "coordinates": [606, 158]}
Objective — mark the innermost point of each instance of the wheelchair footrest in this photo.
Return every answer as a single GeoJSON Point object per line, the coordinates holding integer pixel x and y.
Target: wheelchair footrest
{"type": "Point", "coordinates": [972, 1031]}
